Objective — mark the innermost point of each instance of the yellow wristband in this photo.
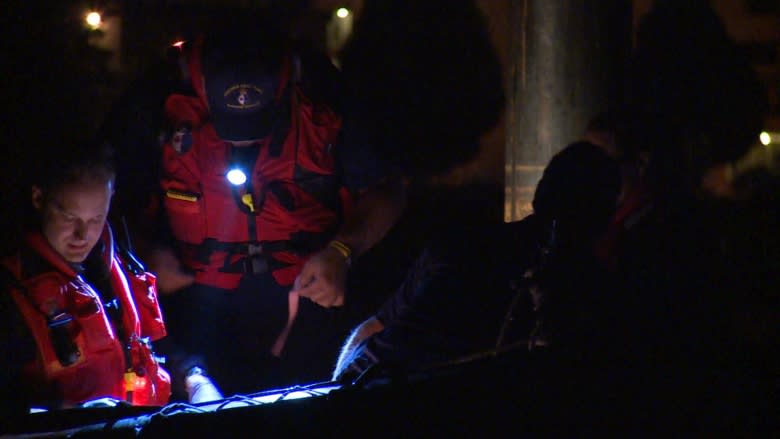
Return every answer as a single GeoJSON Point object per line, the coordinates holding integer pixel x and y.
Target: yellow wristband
{"type": "Point", "coordinates": [341, 248]}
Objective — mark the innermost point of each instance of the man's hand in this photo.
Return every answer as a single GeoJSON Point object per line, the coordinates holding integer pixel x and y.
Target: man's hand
{"type": "Point", "coordinates": [323, 277]}
{"type": "Point", "coordinates": [350, 349]}
{"type": "Point", "coordinates": [170, 276]}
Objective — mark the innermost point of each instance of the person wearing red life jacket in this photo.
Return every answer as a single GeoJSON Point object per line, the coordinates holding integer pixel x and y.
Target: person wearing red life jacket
{"type": "Point", "coordinates": [254, 277]}
{"type": "Point", "coordinates": [79, 314]}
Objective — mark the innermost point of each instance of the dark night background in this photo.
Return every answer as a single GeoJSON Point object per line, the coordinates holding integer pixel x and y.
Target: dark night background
{"type": "Point", "coordinates": [57, 85]}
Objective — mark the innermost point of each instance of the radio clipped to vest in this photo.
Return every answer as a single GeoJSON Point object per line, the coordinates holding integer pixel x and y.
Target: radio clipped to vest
{"type": "Point", "coordinates": [60, 334]}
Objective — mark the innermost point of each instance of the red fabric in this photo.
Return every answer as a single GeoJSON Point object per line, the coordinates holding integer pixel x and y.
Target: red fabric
{"type": "Point", "coordinates": [100, 368]}
{"type": "Point", "coordinates": [144, 290]}
{"type": "Point", "coordinates": [209, 210]}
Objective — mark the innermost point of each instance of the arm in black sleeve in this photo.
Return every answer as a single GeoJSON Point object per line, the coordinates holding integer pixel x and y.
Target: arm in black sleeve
{"type": "Point", "coordinates": [452, 304]}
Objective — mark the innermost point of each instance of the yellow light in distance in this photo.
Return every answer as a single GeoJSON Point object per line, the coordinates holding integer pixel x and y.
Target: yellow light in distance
{"type": "Point", "coordinates": [93, 19]}
{"type": "Point", "coordinates": [342, 12]}
{"type": "Point", "coordinates": [765, 138]}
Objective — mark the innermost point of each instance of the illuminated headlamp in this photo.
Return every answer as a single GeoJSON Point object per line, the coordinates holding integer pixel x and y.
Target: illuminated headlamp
{"type": "Point", "coordinates": [236, 176]}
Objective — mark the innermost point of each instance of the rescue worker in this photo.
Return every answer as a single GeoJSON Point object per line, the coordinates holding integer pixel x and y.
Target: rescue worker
{"type": "Point", "coordinates": [255, 262]}
{"type": "Point", "coordinates": [79, 312]}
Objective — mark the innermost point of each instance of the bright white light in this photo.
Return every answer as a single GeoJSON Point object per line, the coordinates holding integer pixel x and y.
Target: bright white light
{"type": "Point", "coordinates": [236, 177]}
{"type": "Point", "coordinates": [297, 395]}
{"type": "Point", "coordinates": [765, 138]}
{"type": "Point", "coordinates": [93, 19]}
{"type": "Point", "coordinates": [342, 12]}
{"type": "Point", "coordinates": [179, 44]}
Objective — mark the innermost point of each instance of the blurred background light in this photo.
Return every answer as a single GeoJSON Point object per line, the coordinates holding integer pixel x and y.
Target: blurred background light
{"type": "Point", "coordinates": [93, 19]}
{"type": "Point", "coordinates": [765, 138]}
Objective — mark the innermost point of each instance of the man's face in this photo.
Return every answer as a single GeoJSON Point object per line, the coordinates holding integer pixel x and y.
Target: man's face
{"type": "Point", "coordinates": [73, 216]}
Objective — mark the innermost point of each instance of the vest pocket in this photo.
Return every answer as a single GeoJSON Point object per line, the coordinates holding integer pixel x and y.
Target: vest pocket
{"type": "Point", "coordinates": [92, 321]}
{"type": "Point", "coordinates": [185, 216]}
{"type": "Point", "coordinates": [145, 297]}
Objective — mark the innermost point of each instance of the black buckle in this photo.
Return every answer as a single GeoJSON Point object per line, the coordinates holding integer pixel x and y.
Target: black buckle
{"type": "Point", "coordinates": [257, 264]}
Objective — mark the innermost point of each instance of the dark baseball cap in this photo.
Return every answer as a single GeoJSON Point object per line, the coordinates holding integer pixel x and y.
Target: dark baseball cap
{"type": "Point", "coordinates": [241, 79]}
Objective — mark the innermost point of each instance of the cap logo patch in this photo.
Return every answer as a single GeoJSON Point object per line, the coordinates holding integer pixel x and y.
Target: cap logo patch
{"type": "Point", "coordinates": [243, 96]}
{"type": "Point", "coordinates": [181, 140]}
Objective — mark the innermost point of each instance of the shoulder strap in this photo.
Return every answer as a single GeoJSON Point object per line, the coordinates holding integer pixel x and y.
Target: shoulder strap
{"type": "Point", "coordinates": [124, 247]}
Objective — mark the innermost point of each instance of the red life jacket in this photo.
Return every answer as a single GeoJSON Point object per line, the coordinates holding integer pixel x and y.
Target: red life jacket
{"type": "Point", "coordinates": [99, 363]}
{"type": "Point", "coordinates": [297, 198]}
